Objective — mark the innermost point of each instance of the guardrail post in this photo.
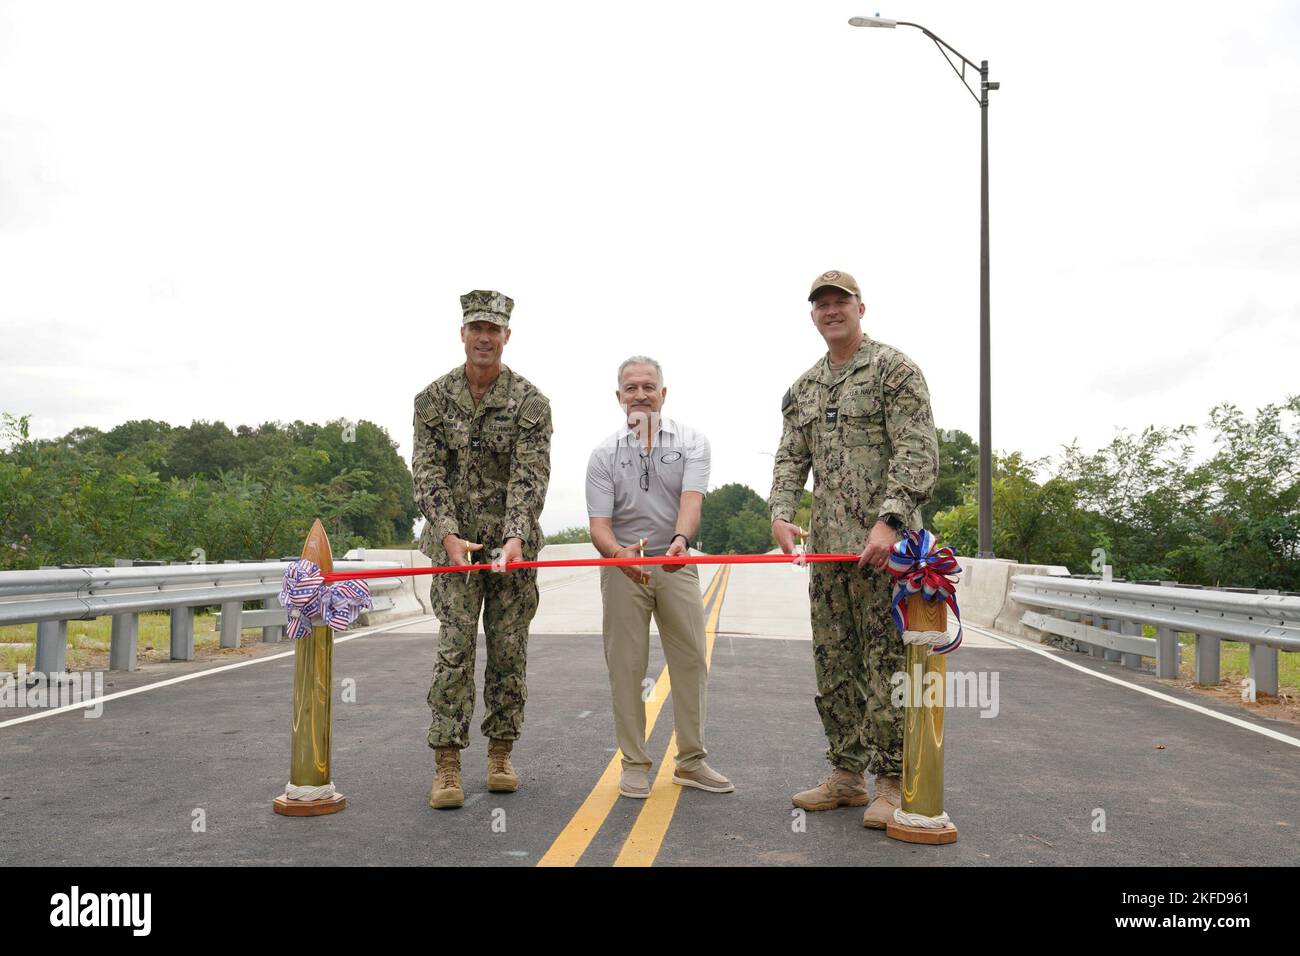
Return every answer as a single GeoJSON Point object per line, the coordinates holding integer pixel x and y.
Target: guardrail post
{"type": "Point", "coordinates": [182, 631]}
{"type": "Point", "coordinates": [122, 649]}
{"type": "Point", "coordinates": [231, 612]}
{"type": "Point", "coordinates": [1169, 653]}
{"type": "Point", "coordinates": [1263, 668]}
{"type": "Point", "coordinates": [1264, 661]}
{"type": "Point", "coordinates": [52, 647]}
{"type": "Point", "coordinates": [1093, 650]}
{"type": "Point", "coordinates": [1071, 616]}
{"type": "Point", "coordinates": [1110, 624]}
{"type": "Point", "coordinates": [272, 635]}
{"type": "Point", "coordinates": [1207, 660]}
{"type": "Point", "coordinates": [1133, 629]}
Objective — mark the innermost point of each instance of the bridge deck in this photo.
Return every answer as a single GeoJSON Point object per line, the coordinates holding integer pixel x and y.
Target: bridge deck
{"type": "Point", "coordinates": [1177, 786]}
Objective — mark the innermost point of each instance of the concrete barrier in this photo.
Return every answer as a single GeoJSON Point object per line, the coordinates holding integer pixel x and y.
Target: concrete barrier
{"type": "Point", "coordinates": [412, 598]}
{"type": "Point", "coordinates": [982, 593]}
{"type": "Point", "coordinates": [549, 577]}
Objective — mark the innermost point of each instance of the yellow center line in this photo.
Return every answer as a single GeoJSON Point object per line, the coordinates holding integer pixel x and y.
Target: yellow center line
{"type": "Point", "coordinates": [647, 836]}
{"type": "Point", "coordinates": [582, 828]}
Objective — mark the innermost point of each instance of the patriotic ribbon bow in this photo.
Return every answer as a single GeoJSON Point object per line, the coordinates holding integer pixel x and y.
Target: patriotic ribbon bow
{"type": "Point", "coordinates": [919, 567]}
{"type": "Point", "coordinates": [305, 595]}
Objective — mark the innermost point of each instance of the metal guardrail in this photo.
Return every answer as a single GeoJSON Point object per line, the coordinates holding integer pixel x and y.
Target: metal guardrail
{"type": "Point", "coordinates": [1106, 617]}
{"type": "Point", "coordinates": [51, 597]}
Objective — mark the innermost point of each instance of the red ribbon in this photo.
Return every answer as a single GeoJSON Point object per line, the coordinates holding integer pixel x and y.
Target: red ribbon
{"type": "Point", "coordinates": [595, 563]}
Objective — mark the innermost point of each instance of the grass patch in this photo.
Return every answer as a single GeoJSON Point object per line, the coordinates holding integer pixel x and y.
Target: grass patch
{"type": "Point", "coordinates": [88, 641]}
{"type": "Point", "coordinates": [1234, 661]}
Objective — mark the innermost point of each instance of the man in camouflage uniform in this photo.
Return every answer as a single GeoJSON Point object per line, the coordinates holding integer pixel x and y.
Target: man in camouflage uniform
{"type": "Point", "coordinates": [861, 420]}
{"type": "Point", "coordinates": [481, 465]}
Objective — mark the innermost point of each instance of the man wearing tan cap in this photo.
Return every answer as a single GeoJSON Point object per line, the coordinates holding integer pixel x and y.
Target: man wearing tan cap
{"type": "Point", "coordinates": [860, 419]}
{"type": "Point", "coordinates": [481, 465]}
{"type": "Point", "coordinates": [645, 486]}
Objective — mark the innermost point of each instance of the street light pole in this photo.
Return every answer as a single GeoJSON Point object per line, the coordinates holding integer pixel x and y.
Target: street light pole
{"type": "Point", "coordinates": [986, 411]}
{"type": "Point", "coordinates": [986, 431]}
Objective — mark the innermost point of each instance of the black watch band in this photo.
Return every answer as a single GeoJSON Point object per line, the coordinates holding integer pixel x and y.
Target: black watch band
{"type": "Point", "coordinates": [683, 537]}
{"type": "Point", "coordinates": [894, 521]}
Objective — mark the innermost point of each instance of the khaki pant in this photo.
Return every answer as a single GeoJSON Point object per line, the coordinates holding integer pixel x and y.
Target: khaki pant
{"type": "Point", "coordinates": [678, 608]}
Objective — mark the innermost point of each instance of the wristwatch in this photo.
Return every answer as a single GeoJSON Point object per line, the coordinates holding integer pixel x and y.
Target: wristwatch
{"type": "Point", "coordinates": [894, 521]}
{"type": "Point", "coordinates": [683, 537]}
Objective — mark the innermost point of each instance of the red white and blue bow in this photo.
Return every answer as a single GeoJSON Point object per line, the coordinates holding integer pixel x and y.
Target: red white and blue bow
{"type": "Point", "coordinates": [919, 567]}
{"type": "Point", "coordinates": [305, 595]}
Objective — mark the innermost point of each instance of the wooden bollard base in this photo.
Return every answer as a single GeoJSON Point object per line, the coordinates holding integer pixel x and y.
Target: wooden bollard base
{"type": "Point", "coordinates": [927, 835]}
{"type": "Point", "coordinates": [309, 808]}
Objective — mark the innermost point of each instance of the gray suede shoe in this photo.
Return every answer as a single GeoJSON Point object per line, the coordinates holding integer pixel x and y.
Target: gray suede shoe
{"type": "Point", "coordinates": [703, 777]}
{"type": "Point", "coordinates": [634, 784]}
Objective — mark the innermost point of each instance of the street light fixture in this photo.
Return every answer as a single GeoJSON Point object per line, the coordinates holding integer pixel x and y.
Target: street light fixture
{"type": "Point", "coordinates": [872, 22]}
{"type": "Point", "coordinates": [986, 441]}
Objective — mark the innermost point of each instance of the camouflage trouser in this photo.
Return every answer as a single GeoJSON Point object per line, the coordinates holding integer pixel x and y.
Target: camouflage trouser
{"type": "Point", "coordinates": [856, 650]}
{"type": "Point", "coordinates": [508, 602]}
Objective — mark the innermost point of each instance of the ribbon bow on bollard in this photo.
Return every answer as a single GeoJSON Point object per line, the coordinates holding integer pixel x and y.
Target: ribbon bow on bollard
{"type": "Point", "coordinates": [306, 595]}
{"type": "Point", "coordinates": [919, 567]}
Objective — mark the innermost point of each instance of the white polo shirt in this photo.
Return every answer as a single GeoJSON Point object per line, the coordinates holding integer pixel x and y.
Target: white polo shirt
{"type": "Point", "coordinates": [641, 491]}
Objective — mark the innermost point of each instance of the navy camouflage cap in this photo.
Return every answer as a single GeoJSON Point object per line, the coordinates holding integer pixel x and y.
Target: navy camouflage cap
{"type": "Point", "coordinates": [484, 305]}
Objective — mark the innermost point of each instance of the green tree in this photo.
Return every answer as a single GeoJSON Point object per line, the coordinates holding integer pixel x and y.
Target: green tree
{"type": "Point", "coordinates": [1241, 522]}
{"type": "Point", "coordinates": [1154, 513]}
{"type": "Point", "coordinates": [573, 535]}
{"type": "Point", "coordinates": [1139, 492]}
{"type": "Point", "coordinates": [1033, 523]}
{"type": "Point", "coordinates": [146, 490]}
{"type": "Point", "coordinates": [202, 448]}
{"type": "Point", "coordinates": [145, 439]}
{"type": "Point", "coordinates": [958, 472]}
{"type": "Point", "coordinates": [748, 532]}
{"type": "Point", "coordinates": [730, 517]}
{"type": "Point", "coordinates": [365, 452]}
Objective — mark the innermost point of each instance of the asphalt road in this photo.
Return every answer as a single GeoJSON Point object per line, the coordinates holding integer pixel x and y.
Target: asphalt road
{"type": "Point", "coordinates": [1024, 787]}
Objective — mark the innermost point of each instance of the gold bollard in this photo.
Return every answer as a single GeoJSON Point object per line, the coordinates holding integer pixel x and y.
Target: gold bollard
{"type": "Point", "coordinates": [309, 764]}
{"type": "Point", "coordinates": [923, 729]}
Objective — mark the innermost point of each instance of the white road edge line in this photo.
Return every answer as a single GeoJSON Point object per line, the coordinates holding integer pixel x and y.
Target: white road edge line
{"type": "Point", "coordinates": [96, 701]}
{"type": "Point", "coordinates": [1226, 718]}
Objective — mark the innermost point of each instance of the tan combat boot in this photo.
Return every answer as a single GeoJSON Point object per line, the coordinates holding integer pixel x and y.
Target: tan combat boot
{"type": "Point", "coordinates": [446, 788]}
{"type": "Point", "coordinates": [842, 788]}
{"type": "Point", "coordinates": [889, 797]}
{"type": "Point", "coordinates": [501, 776]}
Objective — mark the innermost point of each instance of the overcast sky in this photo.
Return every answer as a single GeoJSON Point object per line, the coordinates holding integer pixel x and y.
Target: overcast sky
{"type": "Point", "coordinates": [207, 208]}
